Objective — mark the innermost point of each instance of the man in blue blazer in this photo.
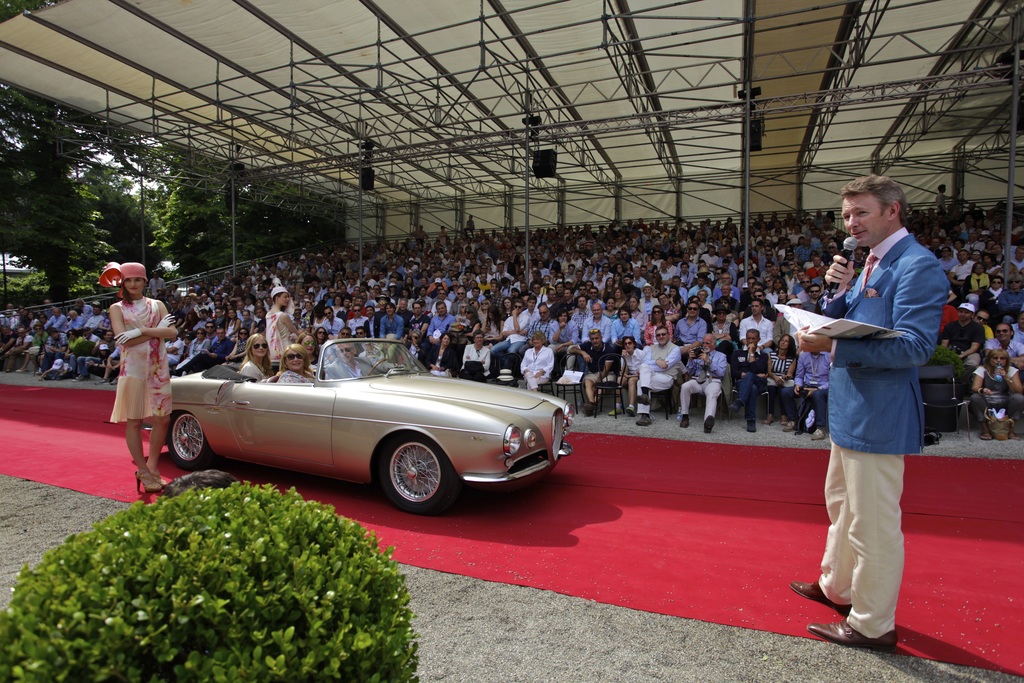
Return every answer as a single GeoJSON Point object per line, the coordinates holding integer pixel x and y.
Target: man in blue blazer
{"type": "Point", "coordinates": [875, 412]}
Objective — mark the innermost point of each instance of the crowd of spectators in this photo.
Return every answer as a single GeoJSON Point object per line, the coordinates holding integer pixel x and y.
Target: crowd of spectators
{"type": "Point", "coordinates": [467, 306]}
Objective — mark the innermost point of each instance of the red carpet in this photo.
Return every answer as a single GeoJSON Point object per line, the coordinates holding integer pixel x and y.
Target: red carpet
{"type": "Point", "coordinates": [710, 532]}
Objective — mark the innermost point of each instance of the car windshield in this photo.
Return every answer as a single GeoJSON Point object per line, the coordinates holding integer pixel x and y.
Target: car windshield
{"type": "Point", "coordinates": [358, 358]}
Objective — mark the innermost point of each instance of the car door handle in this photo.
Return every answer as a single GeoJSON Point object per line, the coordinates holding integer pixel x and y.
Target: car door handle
{"type": "Point", "coordinates": [241, 403]}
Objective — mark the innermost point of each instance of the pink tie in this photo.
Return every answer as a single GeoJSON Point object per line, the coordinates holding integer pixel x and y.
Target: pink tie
{"type": "Point", "coordinates": [869, 267]}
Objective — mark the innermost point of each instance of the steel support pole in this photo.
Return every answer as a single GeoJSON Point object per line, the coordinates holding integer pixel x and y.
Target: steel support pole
{"type": "Point", "coordinates": [526, 205]}
{"type": "Point", "coordinates": [1011, 171]}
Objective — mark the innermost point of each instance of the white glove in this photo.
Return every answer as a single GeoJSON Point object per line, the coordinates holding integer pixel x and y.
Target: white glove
{"type": "Point", "coordinates": [168, 321]}
{"type": "Point", "coordinates": [127, 336]}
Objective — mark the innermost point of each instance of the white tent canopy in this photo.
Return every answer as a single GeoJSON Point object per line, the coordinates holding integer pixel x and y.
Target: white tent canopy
{"type": "Point", "coordinates": [643, 102]}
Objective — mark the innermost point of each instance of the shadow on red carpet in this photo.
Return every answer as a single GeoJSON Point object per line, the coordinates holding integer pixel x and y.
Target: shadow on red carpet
{"type": "Point", "coordinates": [704, 531]}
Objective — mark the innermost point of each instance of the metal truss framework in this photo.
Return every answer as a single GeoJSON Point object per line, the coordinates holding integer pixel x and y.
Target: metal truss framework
{"type": "Point", "coordinates": [442, 137]}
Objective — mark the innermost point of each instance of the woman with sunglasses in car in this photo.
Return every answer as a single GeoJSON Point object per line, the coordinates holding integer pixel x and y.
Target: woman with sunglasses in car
{"type": "Point", "coordinates": [295, 368]}
{"type": "Point", "coordinates": [257, 359]}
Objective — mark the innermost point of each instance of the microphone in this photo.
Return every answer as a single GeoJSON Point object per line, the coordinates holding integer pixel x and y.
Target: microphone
{"type": "Point", "coordinates": [850, 245]}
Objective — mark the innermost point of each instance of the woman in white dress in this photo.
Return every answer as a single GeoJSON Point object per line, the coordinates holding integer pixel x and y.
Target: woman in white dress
{"type": "Point", "coordinates": [281, 330]}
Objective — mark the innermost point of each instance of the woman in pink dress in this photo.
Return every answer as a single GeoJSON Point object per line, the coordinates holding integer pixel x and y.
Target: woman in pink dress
{"type": "Point", "coordinates": [140, 327]}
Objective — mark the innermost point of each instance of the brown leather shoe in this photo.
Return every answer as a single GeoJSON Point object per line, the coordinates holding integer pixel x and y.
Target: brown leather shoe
{"type": "Point", "coordinates": [812, 591]}
{"type": "Point", "coordinates": [841, 633]}
{"type": "Point", "coordinates": [685, 422]}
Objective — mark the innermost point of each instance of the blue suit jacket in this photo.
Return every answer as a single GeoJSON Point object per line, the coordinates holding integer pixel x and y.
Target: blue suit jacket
{"type": "Point", "coordinates": [874, 403]}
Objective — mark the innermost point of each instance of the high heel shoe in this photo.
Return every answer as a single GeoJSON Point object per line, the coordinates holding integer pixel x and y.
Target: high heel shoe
{"type": "Point", "coordinates": [148, 482]}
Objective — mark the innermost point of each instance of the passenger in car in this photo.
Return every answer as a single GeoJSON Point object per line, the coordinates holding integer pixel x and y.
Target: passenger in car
{"type": "Point", "coordinates": [257, 359]}
{"type": "Point", "coordinates": [295, 368]}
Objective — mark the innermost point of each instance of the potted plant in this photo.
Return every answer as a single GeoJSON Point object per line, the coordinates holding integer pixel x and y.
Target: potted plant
{"type": "Point", "coordinates": [943, 395]}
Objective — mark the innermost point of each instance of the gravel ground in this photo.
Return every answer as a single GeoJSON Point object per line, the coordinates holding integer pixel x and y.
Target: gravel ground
{"type": "Point", "coordinates": [477, 631]}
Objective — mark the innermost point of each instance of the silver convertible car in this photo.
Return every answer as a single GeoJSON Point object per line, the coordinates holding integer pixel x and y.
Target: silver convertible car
{"type": "Point", "coordinates": [373, 413]}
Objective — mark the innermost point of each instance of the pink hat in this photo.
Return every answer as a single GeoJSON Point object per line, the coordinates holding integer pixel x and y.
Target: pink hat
{"type": "Point", "coordinates": [111, 275]}
{"type": "Point", "coordinates": [115, 273]}
{"type": "Point", "coordinates": [133, 269]}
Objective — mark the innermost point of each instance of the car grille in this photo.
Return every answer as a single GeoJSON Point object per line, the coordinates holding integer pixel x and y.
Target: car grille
{"type": "Point", "coordinates": [527, 462]}
{"type": "Point", "coordinates": [557, 430]}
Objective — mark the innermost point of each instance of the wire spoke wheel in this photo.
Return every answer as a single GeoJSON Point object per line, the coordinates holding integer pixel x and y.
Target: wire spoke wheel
{"type": "Point", "coordinates": [417, 476]}
{"type": "Point", "coordinates": [187, 442]}
{"type": "Point", "coordinates": [415, 472]}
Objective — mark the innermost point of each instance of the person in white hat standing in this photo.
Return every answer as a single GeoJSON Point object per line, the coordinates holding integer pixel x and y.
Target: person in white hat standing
{"type": "Point", "coordinates": [281, 330]}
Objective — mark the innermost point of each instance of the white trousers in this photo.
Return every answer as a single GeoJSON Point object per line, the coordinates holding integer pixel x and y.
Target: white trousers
{"type": "Point", "coordinates": [532, 382]}
{"type": "Point", "coordinates": [863, 561]}
{"type": "Point", "coordinates": [711, 389]}
{"type": "Point", "coordinates": [655, 381]}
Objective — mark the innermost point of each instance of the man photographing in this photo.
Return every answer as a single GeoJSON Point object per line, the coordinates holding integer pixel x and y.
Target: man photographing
{"type": "Point", "coordinates": [875, 414]}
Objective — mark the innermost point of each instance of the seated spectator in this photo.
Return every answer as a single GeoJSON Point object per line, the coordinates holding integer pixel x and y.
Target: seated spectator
{"type": "Point", "coordinates": [538, 362]}
{"type": "Point", "coordinates": [757, 320]}
{"type": "Point", "coordinates": [624, 325]}
{"type": "Point", "coordinates": [7, 339]}
{"type": "Point", "coordinates": [629, 374]}
{"type": "Point", "coordinates": [1010, 300]}
{"type": "Point", "coordinates": [57, 321]}
{"type": "Point", "coordinates": [543, 322]}
{"type": "Point", "coordinates": [725, 332]}
{"type": "Point", "coordinates": [592, 352]}
{"type": "Point", "coordinates": [705, 367]}
{"type": "Point", "coordinates": [691, 328]}
{"type": "Point", "coordinates": [656, 318]}
{"type": "Point", "coordinates": [965, 336]}
{"type": "Point", "coordinates": [1003, 339]}
{"type": "Point", "coordinates": [439, 324]}
{"type": "Point", "coordinates": [476, 359]}
{"type": "Point", "coordinates": [112, 366]}
{"type": "Point", "coordinates": [392, 326]}
{"type": "Point", "coordinates": [658, 371]}
{"type": "Point", "coordinates": [34, 352]}
{"type": "Point", "coordinates": [175, 349]}
{"type": "Point", "coordinates": [750, 377]}
{"type": "Point", "coordinates": [241, 338]}
{"type": "Point", "coordinates": [199, 345]}
{"type": "Point", "coordinates": [216, 354]}
{"type": "Point", "coordinates": [256, 363]}
{"type": "Point", "coordinates": [97, 365]}
{"type": "Point", "coordinates": [86, 362]}
{"type": "Point", "coordinates": [15, 355]}
{"type": "Point", "coordinates": [781, 370]}
{"type": "Point", "coordinates": [54, 348]}
{"type": "Point", "coordinates": [513, 334]}
{"type": "Point", "coordinates": [997, 385]}
{"type": "Point", "coordinates": [811, 384]}
{"type": "Point", "coordinates": [441, 357]}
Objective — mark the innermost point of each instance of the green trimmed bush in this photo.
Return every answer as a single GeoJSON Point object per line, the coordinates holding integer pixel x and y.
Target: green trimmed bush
{"type": "Point", "coordinates": [946, 356]}
{"type": "Point", "coordinates": [235, 584]}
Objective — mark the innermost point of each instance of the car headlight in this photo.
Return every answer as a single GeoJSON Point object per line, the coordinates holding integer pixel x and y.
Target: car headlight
{"type": "Point", "coordinates": [513, 440]}
{"type": "Point", "coordinates": [531, 438]}
{"type": "Point", "coordinates": [570, 415]}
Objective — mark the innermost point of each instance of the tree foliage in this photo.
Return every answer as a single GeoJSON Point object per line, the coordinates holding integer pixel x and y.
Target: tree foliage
{"type": "Point", "coordinates": [47, 214]}
{"type": "Point", "coordinates": [64, 216]}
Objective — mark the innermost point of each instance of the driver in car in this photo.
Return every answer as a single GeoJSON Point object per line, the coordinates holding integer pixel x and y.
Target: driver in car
{"type": "Point", "coordinates": [340, 362]}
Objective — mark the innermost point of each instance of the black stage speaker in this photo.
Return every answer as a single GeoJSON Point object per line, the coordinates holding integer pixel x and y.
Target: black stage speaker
{"type": "Point", "coordinates": [756, 132]}
{"type": "Point", "coordinates": [366, 179]}
{"type": "Point", "coordinates": [544, 161]}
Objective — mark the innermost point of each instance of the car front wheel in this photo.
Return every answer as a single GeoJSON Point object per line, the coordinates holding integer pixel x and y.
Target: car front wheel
{"type": "Point", "coordinates": [417, 476]}
{"type": "Point", "coordinates": [187, 443]}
